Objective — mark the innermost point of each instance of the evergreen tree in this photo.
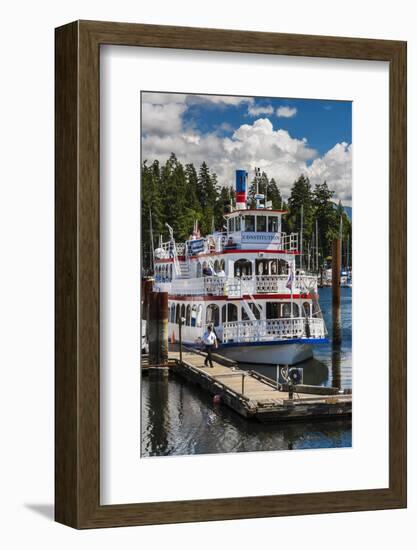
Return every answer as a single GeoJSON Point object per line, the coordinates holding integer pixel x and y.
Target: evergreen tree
{"type": "Point", "coordinates": [208, 195]}
{"type": "Point", "coordinates": [326, 214]}
{"type": "Point", "coordinates": [151, 206]}
{"type": "Point", "coordinates": [274, 195]}
{"type": "Point", "coordinates": [178, 195]}
{"type": "Point", "coordinates": [301, 196]}
{"type": "Point", "coordinates": [178, 213]}
{"type": "Point", "coordinates": [192, 190]}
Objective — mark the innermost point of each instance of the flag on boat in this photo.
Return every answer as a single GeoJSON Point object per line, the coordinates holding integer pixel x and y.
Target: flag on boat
{"type": "Point", "coordinates": [290, 279]}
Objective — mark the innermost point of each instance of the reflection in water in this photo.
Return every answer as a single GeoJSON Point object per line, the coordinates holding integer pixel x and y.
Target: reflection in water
{"type": "Point", "coordinates": [189, 423]}
{"type": "Point", "coordinates": [336, 366]}
{"type": "Point", "coordinates": [181, 419]}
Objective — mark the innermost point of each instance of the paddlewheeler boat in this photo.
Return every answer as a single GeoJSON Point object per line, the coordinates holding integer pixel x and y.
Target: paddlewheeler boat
{"type": "Point", "coordinates": [244, 282]}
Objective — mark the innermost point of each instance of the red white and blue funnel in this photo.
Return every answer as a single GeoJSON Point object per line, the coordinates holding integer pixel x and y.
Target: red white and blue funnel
{"type": "Point", "coordinates": [241, 181]}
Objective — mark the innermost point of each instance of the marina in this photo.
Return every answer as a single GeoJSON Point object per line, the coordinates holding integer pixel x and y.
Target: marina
{"type": "Point", "coordinates": [283, 335]}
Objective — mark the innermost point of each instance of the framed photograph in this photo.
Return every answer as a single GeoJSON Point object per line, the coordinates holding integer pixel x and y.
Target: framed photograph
{"type": "Point", "coordinates": [230, 274]}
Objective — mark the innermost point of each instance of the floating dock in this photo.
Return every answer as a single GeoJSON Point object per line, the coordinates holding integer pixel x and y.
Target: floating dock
{"type": "Point", "coordinates": [253, 395]}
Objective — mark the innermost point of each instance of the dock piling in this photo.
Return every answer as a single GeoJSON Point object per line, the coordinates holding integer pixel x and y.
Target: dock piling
{"type": "Point", "coordinates": [158, 330]}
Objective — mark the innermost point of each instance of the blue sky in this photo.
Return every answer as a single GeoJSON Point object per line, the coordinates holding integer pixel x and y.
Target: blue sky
{"type": "Point", "coordinates": [322, 122]}
{"type": "Point", "coordinates": [284, 137]}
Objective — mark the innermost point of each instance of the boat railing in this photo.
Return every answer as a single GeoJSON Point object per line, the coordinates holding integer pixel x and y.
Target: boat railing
{"type": "Point", "coordinates": [171, 249]}
{"type": "Point", "coordinates": [236, 287]}
{"type": "Point", "coordinates": [270, 284]}
{"type": "Point", "coordinates": [272, 329]}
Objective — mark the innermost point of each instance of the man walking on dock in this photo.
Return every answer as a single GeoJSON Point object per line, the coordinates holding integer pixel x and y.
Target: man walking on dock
{"type": "Point", "coordinates": [210, 341]}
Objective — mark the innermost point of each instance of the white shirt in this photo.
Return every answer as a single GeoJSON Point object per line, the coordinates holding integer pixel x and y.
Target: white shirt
{"type": "Point", "coordinates": [209, 338]}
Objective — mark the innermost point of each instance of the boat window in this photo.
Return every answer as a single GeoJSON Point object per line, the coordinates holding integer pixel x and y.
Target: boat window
{"type": "Point", "coordinates": [194, 316]}
{"type": "Point", "coordinates": [273, 267]}
{"type": "Point", "coordinates": [273, 310]}
{"type": "Point", "coordinates": [198, 269]}
{"type": "Point", "coordinates": [282, 267]}
{"type": "Point", "coordinates": [306, 309]}
{"type": "Point", "coordinates": [231, 225]}
{"type": "Point", "coordinates": [273, 224]}
{"type": "Point", "coordinates": [237, 224]}
{"type": "Point", "coordinates": [316, 309]}
{"type": "Point", "coordinates": [262, 267]}
{"type": "Point", "coordinates": [199, 319]}
{"type": "Point", "coordinates": [229, 313]}
{"type": "Point", "coordinates": [212, 315]}
{"type": "Point", "coordinates": [261, 223]}
{"type": "Point", "coordinates": [188, 316]}
{"type": "Point", "coordinates": [183, 312]}
{"type": "Point", "coordinates": [170, 272]}
{"type": "Point", "coordinates": [286, 310]}
{"type": "Point", "coordinates": [255, 311]}
{"type": "Point", "coordinates": [243, 267]}
{"type": "Point", "coordinates": [177, 314]}
{"type": "Point", "coordinates": [249, 223]}
{"type": "Point", "coordinates": [222, 265]}
{"type": "Point", "coordinates": [216, 266]}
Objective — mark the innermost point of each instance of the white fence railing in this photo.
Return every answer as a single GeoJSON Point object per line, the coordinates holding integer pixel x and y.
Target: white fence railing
{"type": "Point", "coordinates": [273, 329]}
{"type": "Point", "coordinates": [235, 287]}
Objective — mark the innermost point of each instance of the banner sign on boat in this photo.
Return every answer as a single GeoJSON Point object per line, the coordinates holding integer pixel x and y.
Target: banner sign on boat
{"type": "Point", "coordinates": [195, 247]}
{"type": "Point", "coordinates": [261, 238]}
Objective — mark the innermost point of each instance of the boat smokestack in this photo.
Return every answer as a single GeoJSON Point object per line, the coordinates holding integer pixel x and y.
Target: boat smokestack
{"type": "Point", "coordinates": [241, 185]}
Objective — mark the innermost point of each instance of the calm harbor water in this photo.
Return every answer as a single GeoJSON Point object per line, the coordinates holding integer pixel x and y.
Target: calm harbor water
{"type": "Point", "coordinates": [179, 419]}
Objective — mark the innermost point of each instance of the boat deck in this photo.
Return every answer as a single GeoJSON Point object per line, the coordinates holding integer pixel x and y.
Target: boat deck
{"type": "Point", "coordinates": [252, 395]}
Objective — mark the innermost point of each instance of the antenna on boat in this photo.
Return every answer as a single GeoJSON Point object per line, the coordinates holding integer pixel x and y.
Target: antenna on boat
{"type": "Point", "coordinates": [170, 230]}
{"type": "Point", "coordinates": [258, 195]}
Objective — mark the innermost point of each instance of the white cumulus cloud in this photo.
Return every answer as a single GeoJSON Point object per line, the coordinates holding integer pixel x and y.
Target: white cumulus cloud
{"type": "Point", "coordinates": [256, 110]}
{"type": "Point", "coordinates": [286, 112]}
{"type": "Point", "coordinates": [335, 167]}
{"type": "Point", "coordinates": [259, 144]}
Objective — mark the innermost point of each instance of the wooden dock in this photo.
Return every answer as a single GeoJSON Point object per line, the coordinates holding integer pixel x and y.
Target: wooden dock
{"type": "Point", "coordinates": [255, 396]}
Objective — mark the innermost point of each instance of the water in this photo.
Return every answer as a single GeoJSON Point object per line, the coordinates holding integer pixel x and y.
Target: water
{"type": "Point", "coordinates": [181, 419]}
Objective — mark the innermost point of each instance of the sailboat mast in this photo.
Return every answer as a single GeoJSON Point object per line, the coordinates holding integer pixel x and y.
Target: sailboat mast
{"type": "Point", "coordinates": [301, 237]}
{"type": "Point", "coordinates": [347, 251]}
{"type": "Point", "coordinates": [341, 238]}
{"type": "Point", "coordinates": [152, 244]}
{"type": "Point", "coordinates": [317, 247]}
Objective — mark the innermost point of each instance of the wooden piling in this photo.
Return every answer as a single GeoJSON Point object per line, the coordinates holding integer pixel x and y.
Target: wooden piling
{"type": "Point", "coordinates": [158, 329]}
{"type": "Point", "coordinates": [147, 286]}
{"type": "Point", "coordinates": [336, 308]}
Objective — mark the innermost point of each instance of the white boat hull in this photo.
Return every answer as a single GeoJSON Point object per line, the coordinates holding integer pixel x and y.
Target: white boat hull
{"type": "Point", "coordinates": [283, 354]}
